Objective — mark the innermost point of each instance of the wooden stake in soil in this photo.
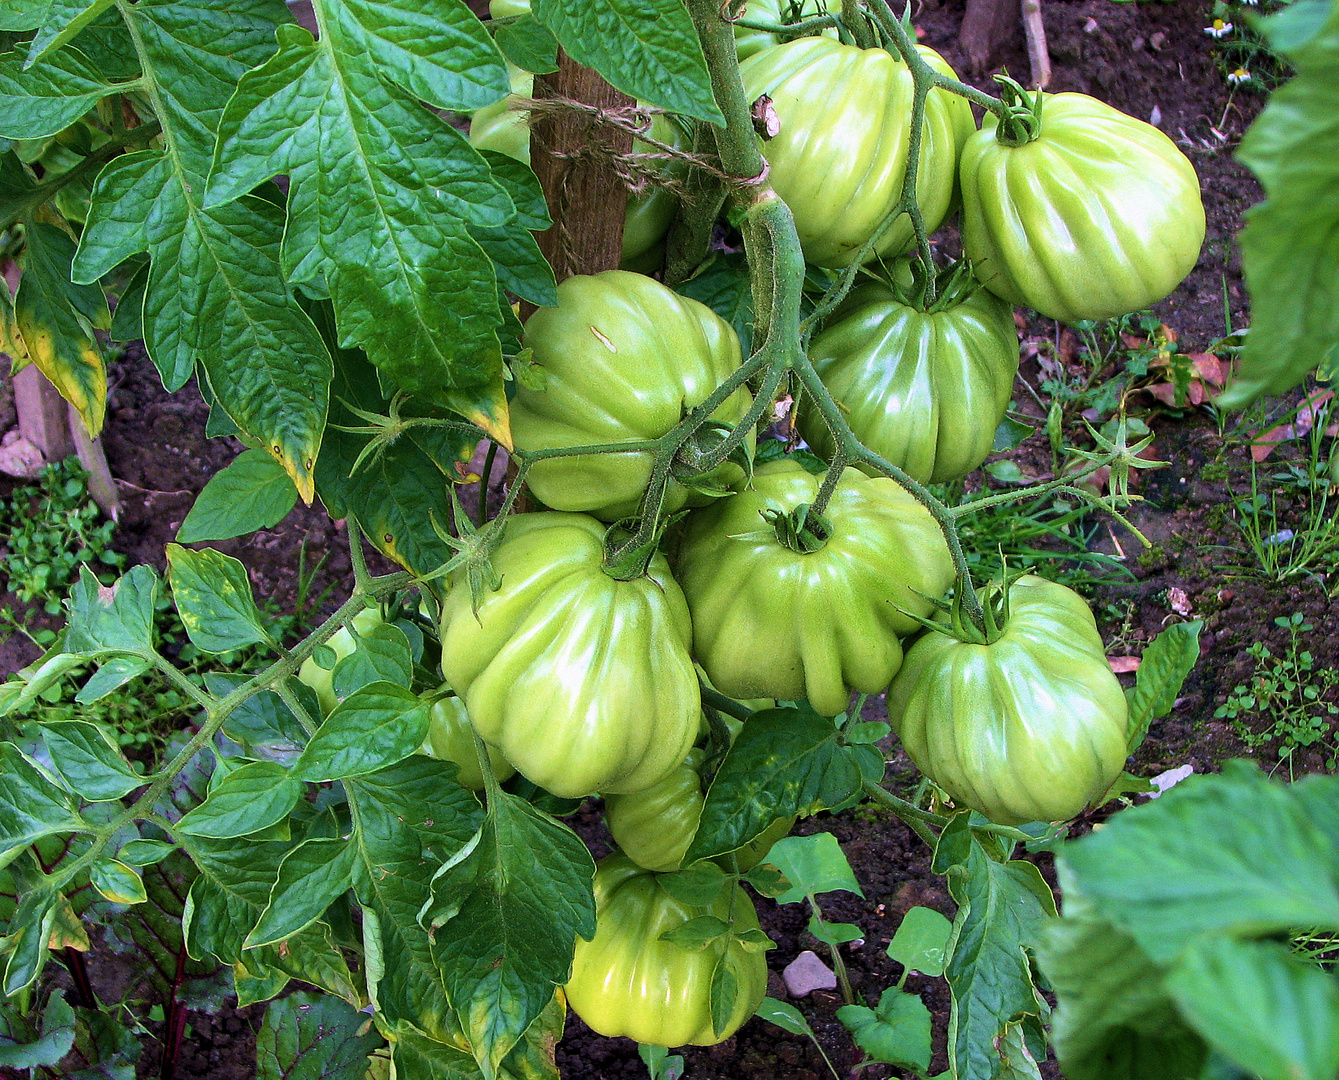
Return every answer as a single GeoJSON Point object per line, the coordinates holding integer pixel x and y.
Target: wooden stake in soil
{"type": "Point", "coordinates": [1038, 55]}
{"type": "Point", "coordinates": [573, 154]}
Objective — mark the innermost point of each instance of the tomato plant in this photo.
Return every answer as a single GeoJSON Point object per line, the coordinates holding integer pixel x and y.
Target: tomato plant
{"type": "Point", "coordinates": [294, 218]}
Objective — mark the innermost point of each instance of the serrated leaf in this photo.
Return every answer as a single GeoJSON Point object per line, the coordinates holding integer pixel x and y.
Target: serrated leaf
{"type": "Point", "coordinates": [56, 320]}
{"type": "Point", "coordinates": [396, 218]}
{"type": "Point", "coordinates": [1182, 866]}
{"type": "Point", "coordinates": [28, 940]}
{"type": "Point", "coordinates": [921, 941]}
{"type": "Point", "coordinates": [214, 291]}
{"type": "Point", "coordinates": [1289, 254]}
{"type": "Point", "coordinates": [229, 894]}
{"type": "Point", "coordinates": [311, 876]}
{"type": "Point", "coordinates": [212, 593]}
{"type": "Point", "coordinates": [249, 799]}
{"type": "Point", "coordinates": [813, 864]}
{"type": "Point", "coordinates": [374, 727]}
{"type": "Point", "coordinates": [784, 763]}
{"type": "Point", "coordinates": [115, 618]}
{"type": "Point", "coordinates": [785, 1016]}
{"type": "Point", "coordinates": [696, 934]}
{"type": "Point", "coordinates": [423, 1058]}
{"type": "Point", "coordinates": [31, 806]}
{"type": "Point", "coordinates": [767, 880]}
{"type": "Point", "coordinates": [117, 882]}
{"type": "Point", "coordinates": [724, 992]}
{"type": "Point", "coordinates": [252, 493]}
{"type": "Point", "coordinates": [47, 99]}
{"type": "Point", "coordinates": [1002, 910]}
{"type": "Point", "coordinates": [22, 14]}
{"type": "Point", "coordinates": [382, 655]}
{"type": "Point", "coordinates": [511, 932]}
{"type": "Point", "coordinates": [88, 762]}
{"type": "Point", "coordinates": [1162, 669]}
{"type": "Point", "coordinates": [532, 209]}
{"type": "Point", "coordinates": [649, 50]}
{"type": "Point", "coordinates": [1261, 1007]}
{"type": "Point", "coordinates": [528, 44]}
{"type": "Point", "coordinates": [521, 266]}
{"type": "Point", "coordinates": [896, 1033]}
{"type": "Point", "coordinates": [63, 21]}
{"type": "Point", "coordinates": [309, 1036]}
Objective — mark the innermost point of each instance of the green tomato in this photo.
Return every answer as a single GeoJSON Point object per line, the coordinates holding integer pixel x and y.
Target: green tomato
{"type": "Point", "coordinates": [748, 42]}
{"type": "Point", "coordinates": [648, 217]}
{"type": "Point", "coordinates": [627, 981]}
{"type": "Point", "coordinates": [624, 358]}
{"type": "Point", "coordinates": [1098, 216]}
{"type": "Point", "coordinates": [772, 622]}
{"type": "Point", "coordinates": [451, 738]}
{"type": "Point", "coordinates": [840, 156]}
{"type": "Point", "coordinates": [926, 390]}
{"type": "Point", "coordinates": [1031, 727]}
{"type": "Point", "coordinates": [319, 678]}
{"type": "Point", "coordinates": [654, 827]}
{"type": "Point", "coordinates": [583, 682]}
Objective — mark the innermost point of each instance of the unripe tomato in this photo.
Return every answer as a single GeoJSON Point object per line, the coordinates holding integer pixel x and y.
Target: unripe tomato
{"type": "Point", "coordinates": [1098, 216]}
{"type": "Point", "coordinates": [1031, 727]}
{"type": "Point", "coordinates": [772, 622]}
{"type": "Point", "coordinates": [319, 678]}
{"type": "Point", "coordinates": [626, 981]}
{"type": "Point", "coordinates": [748, 42]}
{"type": "Point", "coordinates": [840, 156]}
{"type": "Point", "coordinates": [451, 738]}
{"type": "Point", "coordinates": [654, 827]}
{"type": "Point", "coordinates": [648, 216]}
{"type": "Point", "coordinates": [624, 358]}
{"type": "Point", "coordinates": [583, 682]}
{"type": "Point", "coordinates": [926, 390]}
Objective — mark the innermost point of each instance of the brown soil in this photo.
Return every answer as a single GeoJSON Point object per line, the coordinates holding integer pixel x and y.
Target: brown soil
{"type": "Point", "coordinates": [1138, 57]}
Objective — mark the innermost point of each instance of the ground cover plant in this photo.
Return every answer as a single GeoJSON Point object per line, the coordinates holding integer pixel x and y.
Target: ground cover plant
{"type": "Point", "coordinates": [694, 618]}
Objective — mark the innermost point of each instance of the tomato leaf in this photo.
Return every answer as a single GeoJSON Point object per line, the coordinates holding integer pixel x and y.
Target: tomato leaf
{"type": "Point", "coordinates": [117, 882]}
{"type": "Point", "coordinates": [314, 1035]}
{"type": "Point", "coordinates": [212, 592]}
{"type": "Point", "coordinates": [116, 618]}
{"type": "Point", "coordinates": [1163, 668]}
{"type": "Point", "coordinates": [697, 885]}
{"type": "Point", "coordinates": [397, 217]}
{"type": "Point", "coordinates": [88, 762]}
{"type": "Point", "coordinates": [724, 287]}
{"type": "Point", "coordinates": [28, 940]}
{"type": "Point", "coordinates": [1002, 908]}
{"type": "Point", "coordinates": [263, 724]}
{"type": "Point", "coordinates": [31, 806]}
{"type": "Point", "coordinates": [48, 1044]}
{"type": "Point", "coordinates": [381, 654]}
{"type": "Point", "coordinates": [252, 493]}
{"type": "Point", "coordinates": [696, 934]}
{"type": "Point", "coordinates": [784, 763]}
{"type": "Point", "coordinates": [114, 673]}
{"type": "Point", "coordinates": [509, 933]}
{"type": "Point", "coordinates": [813, 864]}
{"type": "Point", "coordinates": [376, 726]}
{"type": "Point", "coordinates": [724, 992]}
{"type": "Point", "coordinates": [1288, 254]}
{"type": "Point", "coordinates": [247, 800]}
{"type": "Point", "coordinates": [896, 1033]}
{"type": "Point", "coordinates": [51, 96]}
{"type": "Point", "coordinates": [528, 44]}
{"type": "Point", "coordinates": [921, 941]}
{"type": "Point", "coordinates": [311, 876]}
{"type": "Point", "coordinates": [785, 1016]}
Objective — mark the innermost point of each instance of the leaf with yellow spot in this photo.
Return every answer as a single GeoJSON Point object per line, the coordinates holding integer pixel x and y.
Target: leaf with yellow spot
{"type": "Point", "coordinates": [213, 598]}
{"type": "Point", "coordinates": [56, 319]}
{"type": "Point", "coordinates": [485, 405]}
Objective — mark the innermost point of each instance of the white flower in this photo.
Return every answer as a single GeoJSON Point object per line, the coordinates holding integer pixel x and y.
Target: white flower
{"type": "Point", "coordinates": [1241, 75]}
{"type": "Point", "coordinates": [1218, 29]}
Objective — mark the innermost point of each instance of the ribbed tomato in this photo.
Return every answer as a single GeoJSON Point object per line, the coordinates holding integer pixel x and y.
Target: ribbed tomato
{"type": "Point", "coordinates": [451, 738]}
{"type": "Point", "coordinates": [1099, 215]}
{"type": "Point", "coordinates": [841, 154]}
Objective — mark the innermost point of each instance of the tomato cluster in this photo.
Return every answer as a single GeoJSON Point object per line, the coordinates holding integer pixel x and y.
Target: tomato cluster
{"type": "Point", "coordinates": [584, 678]}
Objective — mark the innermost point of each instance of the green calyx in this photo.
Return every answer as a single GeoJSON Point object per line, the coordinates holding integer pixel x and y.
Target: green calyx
{"type": "Point", "coordinates": [803, 529]}
{"type": "Point", "coordinates": [626, 557]}
{"type": "Point", "coordinates": [693, 466]}
{"type": "Point", "coordinates": [954, 284]}
{"type": "Point", "coordinates": [956, 622]}
{"type": "Point", "coordinates": [1021, 122]}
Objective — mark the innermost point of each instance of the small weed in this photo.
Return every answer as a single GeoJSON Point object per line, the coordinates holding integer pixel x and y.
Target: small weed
{"type": "Point", "coordinates": [1285, 701]}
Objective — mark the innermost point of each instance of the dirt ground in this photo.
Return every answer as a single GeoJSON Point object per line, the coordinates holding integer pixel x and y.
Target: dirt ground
{"type": "Point", "coordinates": [1150, 59]}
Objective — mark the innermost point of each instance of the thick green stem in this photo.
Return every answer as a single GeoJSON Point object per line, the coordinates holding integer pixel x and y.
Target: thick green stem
{"type": "Point", "coordinates": [484, 480]}
{"type": "Point", "coordinates": [718, 701]}
{"type": "Point", "coordinates": [918, 820]}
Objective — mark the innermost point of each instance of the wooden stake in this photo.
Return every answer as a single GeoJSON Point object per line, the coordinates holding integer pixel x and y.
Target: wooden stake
{"type": "Point", "coordinates": [1038, 55]}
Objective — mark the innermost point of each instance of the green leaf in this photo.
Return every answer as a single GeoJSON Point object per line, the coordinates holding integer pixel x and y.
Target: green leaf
{"type": "Point", "coordinates": [22, 14]}
{"type": "Point", "coordinates": [415, 1055]}
{"type": "Point", "coordinates": [696, 934]}
{"type": "Point", "coordinates": [520, 265]}
{"type": "Point", "coordinates": [1010, 435]}
{"type": "Point", "coordinates": [1002, 908]}
{"type": "Point", "coordinates": [232, 889]}
{"type": "Point", "coordinates": [786, 1017]}
{"type": "Point", "coordinates": [784, 763]}
{"type": "Point", "coordinates": [1162, 669]}
{"type": "Point", "coordinates": [115, 618]}
{"type": "Point", "coordinates": [813, 864]}
{"type": "Point", "coordinates": [249, 799]}
{"type": "Point", "coordinates": [724, 287]}
{"type": "Point", "coordinates": [1114, 1019]}
{"type": "Point", "coordinates": [311, 876]}
{"type": "Point", "coordinates": [698, 885]}
{"type": "Point", "coordinates": [1182, 866]}
{"type": "Point", "coordinates": [411, 818]}
{"type": "Point", "coordinates": [376, 726]}
{"type": "Point", "coordinates": [64, 20]}
{"type": "Point", "coordinates": [1289, 254]}
{"type": "Point", "coordinates": [88, 762]}
{"type": "Point", "coordinates": [528, 44]}
{"type": "Point", "coordinates": [28, 939]}
{"type": "Point", "coordinates": [215, 291]}
{"type": "Point", "coordinates": [921, 941]}
{"type": "Point", "coordinates": [834, 933]}
{"type": "Point", "coordinates": [263, 724]}
{"type": "Point", "coordinates": [51, 1042]}
{"type": "Point", "coordinates": [145, 852]}
{"type": "Point", "coordinates": [897, 1033]}
{"type": "Point", "coordinates": [113, 674]}
{"type": "Point", "coordinates": [31, 806]}
{"type": "Point", "coordinates": [382, 189]}
{"type": "Point", "coordinates": [382, 655]}
{"type": "Point", "coordinates": [649, 50]}
{"type": "Point", "coordinates": [57, 320]}
{"type": "Point", "coordinates": [117, 882]}
{"type": "Point", "coordinates": [309, 1036]}
{"type": "Point", "coordinates": [1017, 1061]}
{"type": "Point", "coordinates": [49, 98]}
{"type": "Point", "coordinates": [252, 493]}
{"type": "Point", "coordinates": [509, 933]}
{"type": "Point", "coordinates": [724, 992]}
{"type": "Point", "coordinates": [212, 593]}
